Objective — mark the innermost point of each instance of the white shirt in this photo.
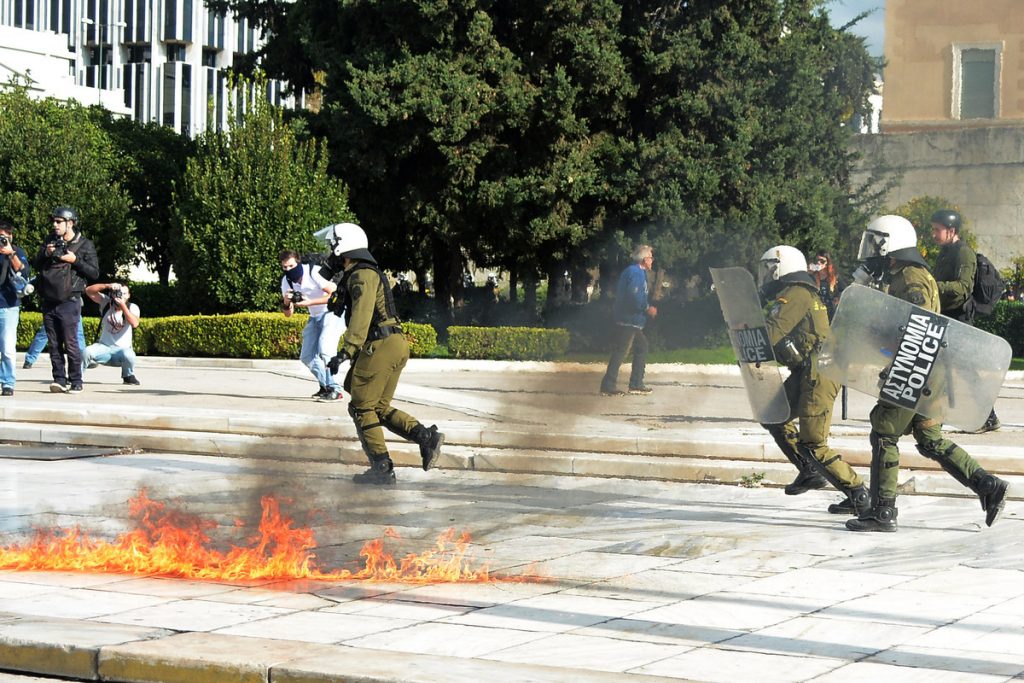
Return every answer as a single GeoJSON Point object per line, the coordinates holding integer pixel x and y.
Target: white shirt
{"type": "Point", "coordinates": [121, 337]}
{"type": "Point", "coordinates": [311, 286]}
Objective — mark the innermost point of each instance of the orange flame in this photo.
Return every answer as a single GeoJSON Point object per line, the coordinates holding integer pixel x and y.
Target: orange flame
{"type": "Point", "coordinates": [174, 543]}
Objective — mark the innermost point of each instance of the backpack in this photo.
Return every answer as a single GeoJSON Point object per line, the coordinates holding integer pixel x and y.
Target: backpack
{"type": "Point", "coordinates": [988, 287]}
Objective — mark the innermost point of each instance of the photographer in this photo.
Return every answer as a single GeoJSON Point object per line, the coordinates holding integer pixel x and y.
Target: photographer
{"type": "Point", "coordinates": [117, 320]}
{"type": "Point", "coordinates": [13, 273]}
{"type": "Point", "coordinates": [64, 264]}
{"type": "Point", "coordinates": [302, 286]}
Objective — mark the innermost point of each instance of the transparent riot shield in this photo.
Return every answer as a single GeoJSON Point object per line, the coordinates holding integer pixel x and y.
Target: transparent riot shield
{"type": "Point", "coordinates": [909, 357]}
{"type": "Point", "coordinates": [741, 307]}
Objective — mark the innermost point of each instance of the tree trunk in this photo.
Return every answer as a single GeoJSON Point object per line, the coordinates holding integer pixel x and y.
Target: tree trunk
{"type": "Point", "coordinates": [513, 286]}
{"type": "Point", "coordinates": [444, 280]}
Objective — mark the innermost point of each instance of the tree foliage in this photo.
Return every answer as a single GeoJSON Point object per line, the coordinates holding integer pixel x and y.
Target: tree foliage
{"type": "Point", "coordinates": [54, 153]}
{"type": "Point", "coordinates": [156, 157]}
{"type": "Point", "coordinates": [544, 134]}
{"type": "Point", "coordinates": [249, 192]}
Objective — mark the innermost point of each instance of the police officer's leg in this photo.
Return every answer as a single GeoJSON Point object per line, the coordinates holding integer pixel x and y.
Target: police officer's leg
{"type": "Point", "coordinates": [990, 489]}
{"type": "Point", "coordinates": [887, 424]}
{"type": "Point", "coordinates": [365, 383]}
{"type": "Point", "coordinates": [817, 399]}
{"type": "Point", "coordinates": [395, 351]}
{"type": "Point", "coordinates": [786, 436]}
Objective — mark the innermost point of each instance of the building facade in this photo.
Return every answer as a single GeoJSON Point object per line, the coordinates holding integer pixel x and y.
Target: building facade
{"type": "Point", "coordinates": [953, 65]}
{"type": "Point", "coordinates": [162, 61]}
{"type": "Point", "coordinates": [952, 125]}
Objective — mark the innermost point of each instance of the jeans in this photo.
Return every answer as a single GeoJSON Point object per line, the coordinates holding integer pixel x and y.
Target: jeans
{"type": "Point", "coordinates": [39, 343]}
{"type": "Point", "coordinates": [320, 339]}
{"type": "Point", "coordinates": [8, 344]}
{"type": "Point", "coordinates": [63, 323]}
{"type": "Point", "coordinates": [624, 338]}
{"type": "Point", "coordinates": [114, 356]}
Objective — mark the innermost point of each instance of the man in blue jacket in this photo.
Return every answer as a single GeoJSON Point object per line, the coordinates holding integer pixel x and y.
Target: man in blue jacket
{"type": "Point", "coordinates": [631, 312]}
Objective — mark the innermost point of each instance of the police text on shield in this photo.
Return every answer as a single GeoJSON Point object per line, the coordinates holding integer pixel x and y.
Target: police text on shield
{"type": "Point", "coordinates": [916, 356]}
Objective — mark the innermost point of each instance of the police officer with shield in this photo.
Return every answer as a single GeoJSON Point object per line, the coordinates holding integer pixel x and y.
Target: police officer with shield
{"type": "Point", "coordinates": [889, 248]}
{"type": "Point", "coordinates": [377, 349]}
{"type": "Point", "coordinates": [797, 326]}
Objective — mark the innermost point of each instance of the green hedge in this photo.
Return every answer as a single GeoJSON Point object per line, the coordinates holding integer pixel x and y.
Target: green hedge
{"type": "Point", "coordinates": [507, 343]}
{"type": "Point", "coordinates": [1007, 321]}
{"type": "Point", "coordinates": [241, 335]}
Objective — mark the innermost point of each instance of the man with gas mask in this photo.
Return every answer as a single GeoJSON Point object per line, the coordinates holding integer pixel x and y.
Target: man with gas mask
{"type": "Point", "coordinates": [797, 326]}
{"type": "Point", "coordinates": [377, 350]}
{"type": "Point", "coordinates": [889, 246]}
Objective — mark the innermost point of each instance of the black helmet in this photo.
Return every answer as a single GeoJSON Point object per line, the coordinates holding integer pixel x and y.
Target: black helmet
{"type": "Point", "coordinates": [65, 212]}
{"type": "Point", "coordinates": [947, 217]}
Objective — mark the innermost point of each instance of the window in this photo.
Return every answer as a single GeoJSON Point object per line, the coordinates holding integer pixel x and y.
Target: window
{"type": "Point", "coordinates": [976, 73]}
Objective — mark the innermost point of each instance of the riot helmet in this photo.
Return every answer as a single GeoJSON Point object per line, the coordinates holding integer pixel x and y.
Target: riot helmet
{"type": "Point", "coordinates": [778, 262]}
{"type": "Point", "coordinates": [948, 218]}
{"type": "Point", "coordinates": [885, 235]}
{"type": "Point", "coordinates": [345, 239]}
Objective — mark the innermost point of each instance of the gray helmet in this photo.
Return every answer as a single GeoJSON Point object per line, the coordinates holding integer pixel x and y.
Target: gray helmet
{"type": "Point", "coordinates": [947, 217]}
{"type": "Point", "coordinates": [65, 212]}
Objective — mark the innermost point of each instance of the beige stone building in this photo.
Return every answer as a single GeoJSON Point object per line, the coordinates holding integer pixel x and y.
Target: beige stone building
{"type": "Point", "coordinates": [952, 122]}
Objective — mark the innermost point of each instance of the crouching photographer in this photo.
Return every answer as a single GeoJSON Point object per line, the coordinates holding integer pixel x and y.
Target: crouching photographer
{"type": "Point", "coordinates": [118, 318]}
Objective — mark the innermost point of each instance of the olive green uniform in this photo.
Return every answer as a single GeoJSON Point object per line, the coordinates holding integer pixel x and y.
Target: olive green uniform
{"type": "Point", "coordinates": [799, 315]}
{"type": "Point", "coordinates": [379, 352]}
{"type": "Point", "coordinates": [914, 283]}
{"type": "Point", "coordinates": [955, 268]}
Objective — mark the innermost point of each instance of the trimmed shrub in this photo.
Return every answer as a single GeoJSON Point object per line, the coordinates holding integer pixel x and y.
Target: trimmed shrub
{"type": "Point", "coordinates": [507, 343]}
{"type": "Point", "coordinates": [422, 338]}
{"type": "Point", "coordinates": [239, 335]}
{"type": "Point", "coordinates": [1007, 321]}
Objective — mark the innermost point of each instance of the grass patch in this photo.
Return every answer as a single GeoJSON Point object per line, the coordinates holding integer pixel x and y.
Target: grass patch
{"type": "Point", "coordinates": [719, 355]}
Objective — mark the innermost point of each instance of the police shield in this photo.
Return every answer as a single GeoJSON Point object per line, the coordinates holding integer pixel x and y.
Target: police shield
{"type": "Point", "coordinates": [909, 357]}
{"type": "Point", "coordinates": [741, 308]}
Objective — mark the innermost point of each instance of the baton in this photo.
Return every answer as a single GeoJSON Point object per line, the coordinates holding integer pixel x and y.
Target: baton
{"type": "Point", "coordinates": [845, 400]}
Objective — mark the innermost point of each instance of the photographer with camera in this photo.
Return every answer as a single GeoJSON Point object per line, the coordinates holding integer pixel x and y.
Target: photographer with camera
{"type": "Point", "coordinates": [64, 264]}
{"type": "Point", "coordinates": [117, 320]}
{"type": "Point", "coordinates": [302, 286]}
{"type": "Point", "coordinates": [14, 272]}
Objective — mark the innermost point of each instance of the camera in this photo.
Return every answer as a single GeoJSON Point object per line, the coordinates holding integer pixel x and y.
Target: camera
{"type": "Point", "coordinates": [60, 247]}
{"type": "Point", "coordinates": [4, 241]}
{"type": "Point", "coordinates": [295, 296]}
{"type": "Point", "coordinates": [115, 292]}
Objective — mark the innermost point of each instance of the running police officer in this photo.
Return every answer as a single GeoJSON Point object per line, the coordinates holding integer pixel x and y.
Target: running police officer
{"type": "Point", "coordinates": [891, 242]}
{"type": "Point", "coordinates": [797, 326]}
{"type": "Point", "coordinates": [377, 349]}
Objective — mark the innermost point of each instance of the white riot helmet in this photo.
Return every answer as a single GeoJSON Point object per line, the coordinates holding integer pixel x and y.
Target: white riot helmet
{"type": "Point", "coordinates": [885, 235]}
{"type": "Point", "coordinates": [778, 262]}
{"type": "Point", "coordinates": [343, 238]}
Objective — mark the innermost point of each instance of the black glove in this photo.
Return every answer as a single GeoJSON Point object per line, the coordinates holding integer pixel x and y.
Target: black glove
{"type": "Point", "coordinates": [335, 363]}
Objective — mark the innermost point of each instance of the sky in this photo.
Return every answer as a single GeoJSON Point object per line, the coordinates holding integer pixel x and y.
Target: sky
{"type": "Point", "coordinates": [871, 27]}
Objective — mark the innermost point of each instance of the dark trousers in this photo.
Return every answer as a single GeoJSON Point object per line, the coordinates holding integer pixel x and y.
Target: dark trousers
{"type": "Point", "coordinates": [61, 323]}
{"type": "Point", "coordinates": [624, 337]}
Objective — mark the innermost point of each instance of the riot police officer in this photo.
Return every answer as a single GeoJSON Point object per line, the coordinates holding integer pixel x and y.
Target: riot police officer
{"type": "Point", "coordinates": [377, 349]}
{"type": "Point", "coordinates": [798, 325]}
{"type": "Point", "coordinates": [890, 242]}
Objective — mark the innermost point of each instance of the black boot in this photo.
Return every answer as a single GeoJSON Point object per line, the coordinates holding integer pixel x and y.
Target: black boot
{"type": "Point", "coordinates": [805, 481]}
{"type": "Point", "coordinates": [857, 502]}
{"type": "Point", "coordinates": [381, 472]}
{"type": "Point", "coordinates": [991, 492]}
{"type": "Point", "coordinates": [881, 517]}
{"type": "Point", "coordinates": [430, 441]}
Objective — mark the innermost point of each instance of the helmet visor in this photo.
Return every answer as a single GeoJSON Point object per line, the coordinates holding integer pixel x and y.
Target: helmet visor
{"type": "Point", "coordinates": [872, 245]}
{"type": "Point", "coordinates": [767, 271]}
